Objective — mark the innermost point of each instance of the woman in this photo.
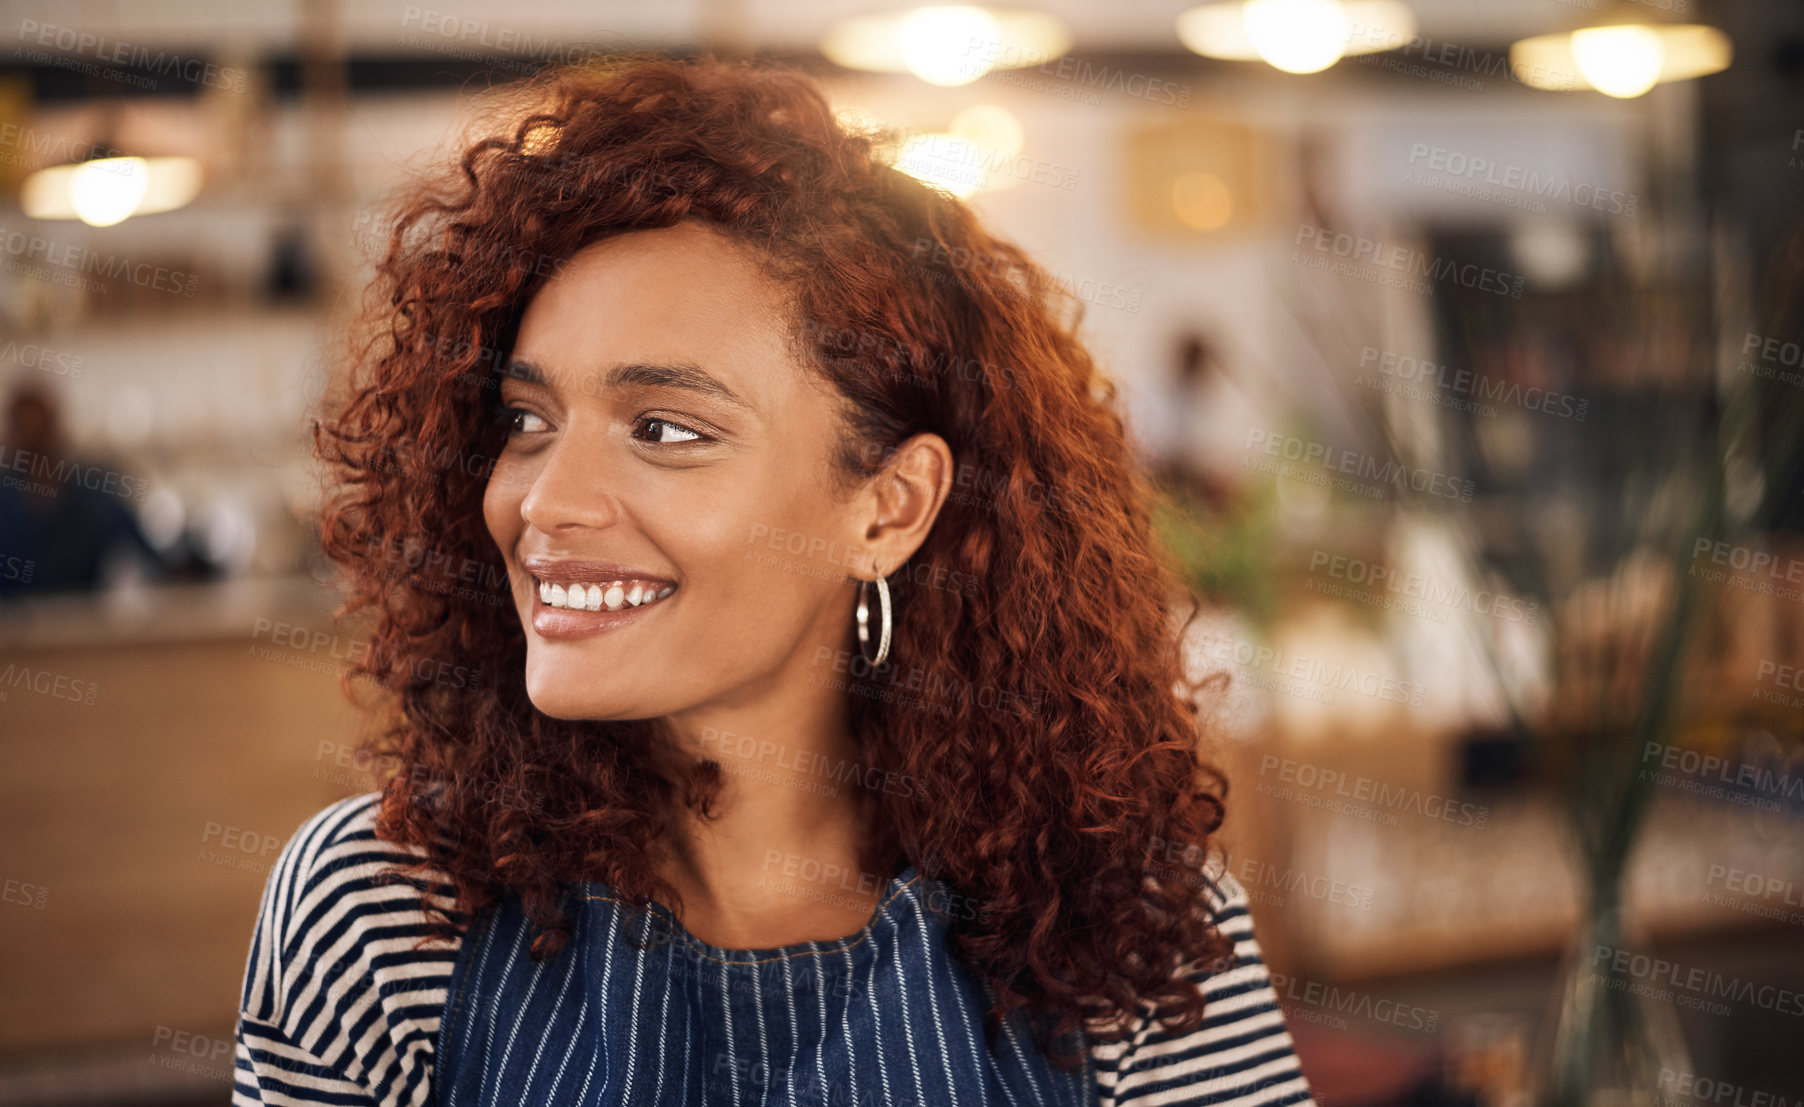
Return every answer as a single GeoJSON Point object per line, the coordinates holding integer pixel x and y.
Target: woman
{"type": "Point", "coordinates": [786, 676]}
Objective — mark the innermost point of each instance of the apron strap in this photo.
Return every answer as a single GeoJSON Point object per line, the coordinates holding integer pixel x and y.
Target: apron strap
{"type": "Point", "coordinates": [457, 1002]}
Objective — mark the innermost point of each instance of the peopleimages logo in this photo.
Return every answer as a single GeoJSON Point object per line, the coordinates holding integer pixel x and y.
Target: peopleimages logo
{"type": "Point", "coordinates": [1310, 777]}
{"type": "Point", "coordinates": [115, 52]}
{"type": "Point", "coordinates": [70, 260]}
{"type": "Point", "coordinates": [43, 359]}
{"type": "Point", "coordinates": [746, 747]}
{"type": "Point", "coordinates": [21, 145]}
{"type": "Point", "coordinates": [62, 470]}
{"type": "Point", "coordinates": [464, 33]}
{"type": "Point", "coordinates": [1689, 1088]}
{"type": "Point", "coordinates": [1364, 466]}
{"type": "Point", "coordinates": [1393, 51]}
{"type": "Point", "coordinates": [1467, 382]}
{"type": "Point", "coordinates": [1515, 178]}
{"type": "Point", "coordinates": [950, 157]}
{"type": "Point", "coordinates": [1777, 359]}
{"type": "Point", "coordinates": [1403, 262]}
{"type": "Point", "coordinates": [1329, 997]}
{"type": "Point", "coordinates": [1262, 878]}
{"type": "Point", "coordinates": [1353, 570]}
{"type": "Point", "coordinates": [34, 896]}
{"type": "Point", "coordinates": [46, 683]}
{"type": "Point", "coordinates": [1705, 766]}
{"type": "Point", "coordinates": [1312, 670]}
{"type": "Point", "coordinates": [1705, 984]}
{"type": "Point", "coordinates": [1093, 76]}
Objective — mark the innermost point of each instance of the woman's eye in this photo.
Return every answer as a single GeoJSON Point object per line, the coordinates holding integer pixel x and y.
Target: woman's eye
{"type": "Point", "coordinates": [659, 428]}
{"type": "Point", "coordinates": [511, 418]}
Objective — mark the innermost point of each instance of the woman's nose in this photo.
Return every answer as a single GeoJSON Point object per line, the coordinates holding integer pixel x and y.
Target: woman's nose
{"type": "Point", "coordinates": [573, 485]}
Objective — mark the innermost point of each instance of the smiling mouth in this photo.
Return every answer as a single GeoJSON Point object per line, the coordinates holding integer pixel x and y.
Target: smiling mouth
{"type": "Point", "coordinates": [616, 595]}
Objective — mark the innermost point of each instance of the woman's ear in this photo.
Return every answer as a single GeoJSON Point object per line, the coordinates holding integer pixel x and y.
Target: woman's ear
{"type": "Point", "coordinates": [904, 499]}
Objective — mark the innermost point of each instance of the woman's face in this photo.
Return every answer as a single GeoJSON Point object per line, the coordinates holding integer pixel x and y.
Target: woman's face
{"type": "Point", "coordinates": [669, 435]}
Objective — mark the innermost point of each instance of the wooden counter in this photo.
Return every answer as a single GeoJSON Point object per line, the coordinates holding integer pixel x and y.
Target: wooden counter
{"type": "Point", "coordinates": [151, 766]}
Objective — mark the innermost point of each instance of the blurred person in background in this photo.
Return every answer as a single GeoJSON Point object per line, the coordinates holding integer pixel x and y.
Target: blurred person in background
{"type": "Point", "coordinates": [1195, 432]}
{"type": "Point", "coordinates": [65, 523]}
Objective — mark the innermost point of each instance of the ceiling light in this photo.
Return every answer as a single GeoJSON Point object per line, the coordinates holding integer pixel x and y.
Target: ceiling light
{"type": "Point", "coordinates": [105, 191]}
{"type": "Point", "coordinates": [946, 44]}
{"type": "Point", "coordinates": [1621, 59]}
{"type": "Point", "coordinates": [1297, 36]}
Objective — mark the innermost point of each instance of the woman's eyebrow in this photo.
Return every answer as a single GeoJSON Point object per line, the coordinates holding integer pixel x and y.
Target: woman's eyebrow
{"type": "Point", "coordinates": [527, 372]}
{"type": "Point", "coordinates": [681, 374]}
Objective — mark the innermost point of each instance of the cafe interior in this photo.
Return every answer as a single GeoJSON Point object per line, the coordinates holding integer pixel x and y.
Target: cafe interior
{"type": "Point", "coordinates": [1461, 341]}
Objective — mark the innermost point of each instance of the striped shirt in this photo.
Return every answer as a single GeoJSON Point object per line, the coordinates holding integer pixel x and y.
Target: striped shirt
{"type": "Point", "coordinates": [343, 1005]}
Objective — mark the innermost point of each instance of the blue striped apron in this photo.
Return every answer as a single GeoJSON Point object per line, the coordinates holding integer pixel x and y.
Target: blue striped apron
{"type": "Point", "coordinates": [887, 1016]}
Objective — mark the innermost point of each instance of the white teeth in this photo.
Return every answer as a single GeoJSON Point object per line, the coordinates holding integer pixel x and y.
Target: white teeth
{"type": "Point", "coordinates": [601, 597]}
{"type": "Point", "coordinates": [612, 596]}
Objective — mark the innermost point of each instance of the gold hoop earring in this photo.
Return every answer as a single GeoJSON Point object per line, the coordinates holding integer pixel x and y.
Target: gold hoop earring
{"type": "Point", "coordinates": [864, 620]}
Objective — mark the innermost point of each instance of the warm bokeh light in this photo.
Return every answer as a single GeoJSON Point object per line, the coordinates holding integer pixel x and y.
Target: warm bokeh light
{"type": "Point", "coordinates": [935, 43]}
{"type": "Point", "coordinates": [992, 127]}
{"type": "Point", "coordinates": [106, 191]}
{"type": "Point", "coordinates": [960, 158]}
{"type": "Point", "coordinates": [1201, 200]}
{"type": "Point", "coordinates": [1619, 61]}
{"type": "Point", "coordinates": [946, 45]}
{"type": "Point", "coordinates": [1295, 31]}
{"type": "Point", "coordinates": [943, 160]}
{"type": "Point", "coordinates": [1297, 36]}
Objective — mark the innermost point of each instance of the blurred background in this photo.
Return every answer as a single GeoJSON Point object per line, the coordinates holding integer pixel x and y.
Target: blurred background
{"type": "Point", "coordinates": [1462, 336]}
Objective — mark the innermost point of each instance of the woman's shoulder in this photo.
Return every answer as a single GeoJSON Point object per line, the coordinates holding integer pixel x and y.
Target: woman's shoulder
{"type": "Point", "coordinates": [1228, 898]}
{"type": "Point", "coordinates": [1242, 1053]}
{"type": "Point", "coordinates": [321, 839]}
{"type": "Point", "coordinates": [343, 937]}
{"type": "Point", "coordinates": [337, 858]}
{"type": "Point", "coordinates": [1230, 910]}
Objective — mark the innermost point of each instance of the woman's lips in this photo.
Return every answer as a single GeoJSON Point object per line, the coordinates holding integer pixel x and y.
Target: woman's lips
{"type": "Point", "coordinates": [575, 597]}
{"type": "Point", "coordinates": [577, 609]}
{"type": "Point", "coordinates": [561, 622]}
{"type": "Point", "coordinates": [553, 622]}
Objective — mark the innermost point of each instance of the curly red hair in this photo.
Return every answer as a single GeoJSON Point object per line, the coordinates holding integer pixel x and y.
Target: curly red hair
{"type": "Point", "coordinates": [1056, 817]}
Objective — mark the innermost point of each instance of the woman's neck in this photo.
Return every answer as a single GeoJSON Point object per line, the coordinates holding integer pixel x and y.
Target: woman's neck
{"type": "Point", "coordinates": [784, 859]}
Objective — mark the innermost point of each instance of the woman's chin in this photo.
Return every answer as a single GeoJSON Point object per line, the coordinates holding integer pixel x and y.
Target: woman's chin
{"type": "Point", "coordinates": [584, 701]}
